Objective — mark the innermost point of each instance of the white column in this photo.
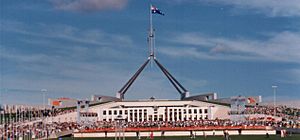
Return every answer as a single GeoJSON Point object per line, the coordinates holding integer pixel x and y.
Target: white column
{"type": "Point", "coordinates": [173, 114]}
{"type": "Point", "coordinates": [147, 117]}
{"type": "Point", "coordinates": [182, 115]}
{"type": "Point", "coordinates": [112, 115]}
{"type": "Point", "coordinates": [128, 116]}
{"type": "Point", "coordinates": [168, 114]}
{"type": "Point", "coordinates": [106, 115]}
{"type": "Point", "coordinates": [177, 116]}
{"type": "Point", "coordinates": [100, 114]}
{"type": "Point", "coordinates": [198, 114]}
{"type": "Point", "coordinates": [193, 115]}
{"type": "Point", "coordinates": [203, 113]}
{"type": "Point", "coordinates": [133, 116]}
{"type": "Point", "coordinates": [164, 112]}
{"type": "Point", "coordinates": [153, 115]}
{"type": "Point", "coordinates": [187, 113]}
{"type": "Point", "coordinates": [210, 111]}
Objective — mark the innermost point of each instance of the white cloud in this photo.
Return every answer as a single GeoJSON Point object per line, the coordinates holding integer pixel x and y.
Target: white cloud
{"type": "Point", "coordinates": [292, 76]}
{"type": "Point", "coordinates": [71, 67]}
{"type": "Point", "coordinates": [89, 5]}
{"type": "Point", "coordinates": [280, 47]}
{"type": "Point", "coordinates": [285, 100]}
{"type": "Point", "coordinates": [272, 8]}
{"type": "Point", "coordinates": [65, 77]}
{"type": "Point", "coordinates": [194, 83]}
{"type": "Point", "coordinates": [67, 33]}
{"type": "Point", "coordinates": [78, 79]}
{"type": "Point", "coordinates": [268, 7]}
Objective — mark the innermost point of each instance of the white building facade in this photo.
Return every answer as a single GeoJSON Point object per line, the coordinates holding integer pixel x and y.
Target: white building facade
{"type": "Point", "coordinates": [150, 110]}
{"type": "Point", "coordinates": [161, 110]}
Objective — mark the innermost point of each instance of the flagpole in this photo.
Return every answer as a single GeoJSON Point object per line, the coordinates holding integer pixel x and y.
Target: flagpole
{"type": "Point", "coordinates": [151, 34]}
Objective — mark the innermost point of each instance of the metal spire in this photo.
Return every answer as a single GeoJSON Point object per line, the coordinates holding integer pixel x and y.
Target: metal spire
{"type": "Point", "coordinates": [151, 34]}
{"type": "Point", "coordinates": [182, 91]}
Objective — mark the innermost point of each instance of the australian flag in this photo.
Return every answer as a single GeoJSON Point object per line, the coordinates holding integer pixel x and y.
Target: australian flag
{"type": "Point", "coordinates": [155, 10]}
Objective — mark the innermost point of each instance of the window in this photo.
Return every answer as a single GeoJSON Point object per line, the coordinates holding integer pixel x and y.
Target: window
{"type": "Point", "coordinates": [109, 112]}
{"type": "Point", "coordinates": [161, 117]}
{"type": "Point", "coordinates": [200, 111]}
{"type": "Point", "coordinates": [135, 113]}
{"type": "Point", "coordinates": [150, 117]}
{"type": "Point", "coordinates": [179, 117]}
{"type": "Point", "coordinates": [190, 111]}
{"type": "Point", "coordinates": [195, 111]}
{"type": "Point", "coordinates": [115, 112]}
{"type": "Point", "coordinates": [205, 111]}
{"type": "Point", "coordinates": [120, 112]}
{"type": "Point", "coordinates": [104, 112]}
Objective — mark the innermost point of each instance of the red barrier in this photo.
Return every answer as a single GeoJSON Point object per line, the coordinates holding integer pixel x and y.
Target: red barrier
{"type": "Point", "coordinates": [133, 129]}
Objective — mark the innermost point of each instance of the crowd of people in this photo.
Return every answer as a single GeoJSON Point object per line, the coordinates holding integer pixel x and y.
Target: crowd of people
{"type": "Point", "coordinates": [286, 113]}
{"type": "Point", "coordinates": [192, 123]}
{"type": "Point", "coordinates": [42, 130]}
{"type": "Point", "coordinates": [37, 130]}
{"type": "Point", "coordinates": [29, 114]}
{"type": "Point", "coordinates": [21, 122]}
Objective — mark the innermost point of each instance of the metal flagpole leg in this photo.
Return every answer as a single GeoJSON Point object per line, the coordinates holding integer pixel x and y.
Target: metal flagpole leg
{"type": "Point", "coordinates": [124, 89]}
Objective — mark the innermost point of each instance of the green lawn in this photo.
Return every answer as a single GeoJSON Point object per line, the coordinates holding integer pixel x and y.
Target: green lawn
{"type": "Point", "coordinates": [251, 137]}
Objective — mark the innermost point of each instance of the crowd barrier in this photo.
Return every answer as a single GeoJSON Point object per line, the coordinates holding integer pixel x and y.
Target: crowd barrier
{"type": "Point", "coordinates": [183, 131]}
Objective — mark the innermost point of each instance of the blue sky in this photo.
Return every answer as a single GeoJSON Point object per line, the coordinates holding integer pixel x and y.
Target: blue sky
{"type": "Point", "coordinates": [76, 48]}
